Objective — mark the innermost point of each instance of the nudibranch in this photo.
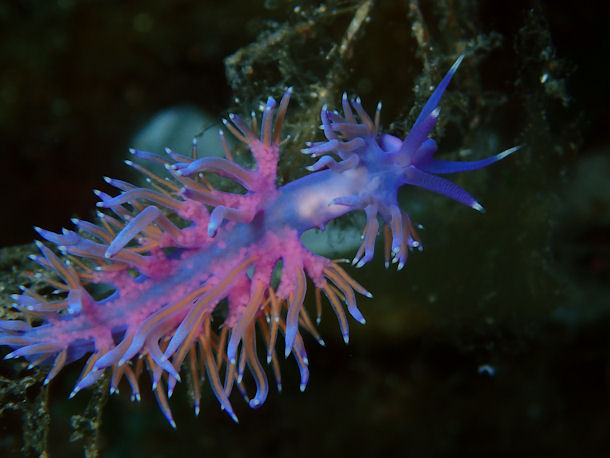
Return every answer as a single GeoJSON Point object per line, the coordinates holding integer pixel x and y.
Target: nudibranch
{"type": "Point", "coordinates": [181, 273]}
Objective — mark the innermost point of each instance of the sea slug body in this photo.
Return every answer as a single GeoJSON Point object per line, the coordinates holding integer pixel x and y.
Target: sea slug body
{"type": "Point", "coordinates": [183, 273]}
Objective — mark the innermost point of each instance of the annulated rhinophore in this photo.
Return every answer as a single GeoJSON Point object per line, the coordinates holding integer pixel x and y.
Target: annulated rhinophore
{"type": "Point", "coordinates": [145, 287]}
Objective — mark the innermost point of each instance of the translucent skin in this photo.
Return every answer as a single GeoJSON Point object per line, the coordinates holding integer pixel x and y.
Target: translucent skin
{"type": "Point", "coordinates": [172, 253]}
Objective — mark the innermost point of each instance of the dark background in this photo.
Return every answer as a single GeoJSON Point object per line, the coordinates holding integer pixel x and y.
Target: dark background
{"type": "Point", "coordinates": [79, 79]}
{"type": "Point", "coordinates": [523, 288]}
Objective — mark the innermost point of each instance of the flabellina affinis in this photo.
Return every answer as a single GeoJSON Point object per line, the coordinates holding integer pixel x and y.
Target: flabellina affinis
{"type": "Point", "coordinates": [180, 273]}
